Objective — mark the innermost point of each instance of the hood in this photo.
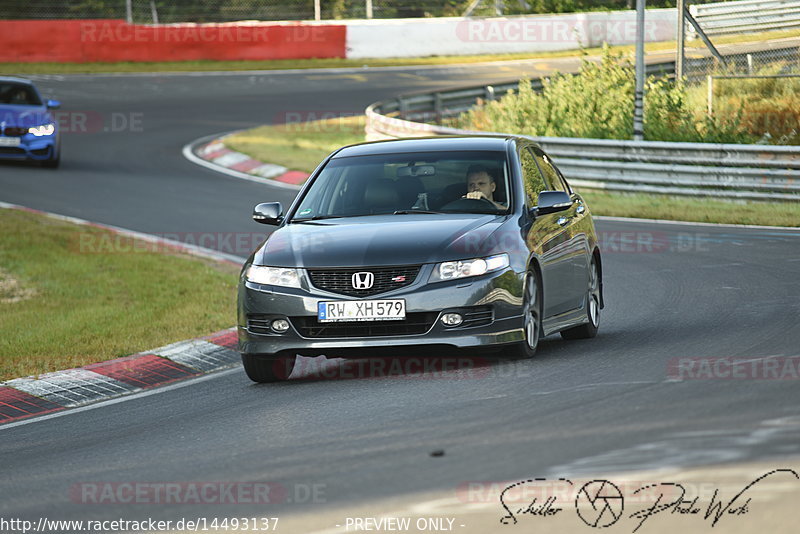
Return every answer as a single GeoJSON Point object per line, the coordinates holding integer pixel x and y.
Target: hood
{"type": "Point", "coordinates": [24, 116]}
{"type": "Point", "coordinates": [380, 240]}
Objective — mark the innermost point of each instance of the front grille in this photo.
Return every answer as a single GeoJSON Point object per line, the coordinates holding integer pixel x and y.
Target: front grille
{"type": "Point", "coordinates": [386, 279]}
{"type": "Point", "coordinates": [414, 323]}
{"type": "Point", "coordinates": [478, 316]}
{"type": "Point", "coordinates": [15, 131]}
{"type": "Point", "coordinates": [11, 150]}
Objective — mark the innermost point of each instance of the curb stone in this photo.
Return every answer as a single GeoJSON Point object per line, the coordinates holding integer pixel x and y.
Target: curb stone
{"type": "Point", "coordinates": [216, 153]}
{"type": "Point", "coordinates": [22, 398]}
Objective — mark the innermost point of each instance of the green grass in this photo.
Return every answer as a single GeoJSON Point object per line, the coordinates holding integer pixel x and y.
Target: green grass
{"type": "Point", "coordinates": [675, 208]}
{"type": "Point", "coordinates": [298, 146]}
{"type": "Point", "coordinates": [67, 298]}
{"type": "Point", "coordinates": [302, 146]}
{"type": "Point", "coordinates": [280, 64]}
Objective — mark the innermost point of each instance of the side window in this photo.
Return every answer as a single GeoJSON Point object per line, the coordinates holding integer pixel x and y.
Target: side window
{"type": "Point", "coordinates": [534, 184]}
{"type": "Point", "coordinates": [552, 178]}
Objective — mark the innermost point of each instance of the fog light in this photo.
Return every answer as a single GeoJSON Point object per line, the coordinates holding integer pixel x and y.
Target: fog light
{"type": "Point", "coordinates": [452, 319]}
{"type": "Point", "coordinates": [280, 325]}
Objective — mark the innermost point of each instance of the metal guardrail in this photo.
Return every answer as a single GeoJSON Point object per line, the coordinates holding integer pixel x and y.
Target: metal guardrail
{"type": "Point", "coordinates": [724, 18]}
{"type": "Point", "coordinates": [448, 103]}
{"type": "Point", "coordinates": [747, 172]}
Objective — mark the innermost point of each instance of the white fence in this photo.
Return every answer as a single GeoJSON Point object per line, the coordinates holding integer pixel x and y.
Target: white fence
{"type": "Point", "coordinates": [501, 35]}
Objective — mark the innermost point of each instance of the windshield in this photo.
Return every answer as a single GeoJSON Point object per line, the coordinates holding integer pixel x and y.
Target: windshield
{"type": "Point", "coordinates": [18, 94]}
{"type": "Point", "coordinates": [440, 182]}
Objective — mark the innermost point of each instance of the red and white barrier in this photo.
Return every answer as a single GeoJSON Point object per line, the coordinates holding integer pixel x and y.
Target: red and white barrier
{"type": "Point", "coordinates": [79, 41]}
{"type": "Point", "coordinates": [83, 41]}
{"type": "Point", "coordinates": [501, 35]}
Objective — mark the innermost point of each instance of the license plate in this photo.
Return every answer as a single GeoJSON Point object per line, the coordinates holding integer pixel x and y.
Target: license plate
{"type": "Point", "coordinates": [361, 310]}
{"type": "Point", "coordinates": [10, 141]}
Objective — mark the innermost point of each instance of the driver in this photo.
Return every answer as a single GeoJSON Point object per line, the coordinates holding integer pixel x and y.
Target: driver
{"type": "Point", "coordinates": [481, 184]}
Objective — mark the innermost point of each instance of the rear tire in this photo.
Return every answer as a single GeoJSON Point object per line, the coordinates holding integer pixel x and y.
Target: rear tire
{"type": "Point", "coordinates": [589, 329]}
{"type": "Point", "coordinates": [532, 320]}
{"type": "Point", "coordinates": [265, 368]}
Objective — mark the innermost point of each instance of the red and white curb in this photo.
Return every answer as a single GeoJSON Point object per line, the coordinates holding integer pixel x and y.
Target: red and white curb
{"type": "Point", "coordinates": [23, 398]}
{"type": "Point", "coordinates": [215, 155]}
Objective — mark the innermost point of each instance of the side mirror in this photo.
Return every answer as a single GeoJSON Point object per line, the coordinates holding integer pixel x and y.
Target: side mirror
{"type": "Point", "coordinates": [53, 104]}
{"type": "Point", "coordinates": [553, 201]}
{"type": "Point", "coordinates": [268, 213]}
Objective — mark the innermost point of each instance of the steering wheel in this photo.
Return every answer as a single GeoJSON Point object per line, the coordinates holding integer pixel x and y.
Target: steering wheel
{"type": "Point", "coordinates": [466, 203]}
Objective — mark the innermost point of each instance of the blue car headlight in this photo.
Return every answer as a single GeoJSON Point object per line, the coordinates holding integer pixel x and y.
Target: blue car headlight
{"type": "Point", "coordinates": [44, 129]}
{"type": "Point", "coordinates": [450, 270]}
{"type": "Point", "coordinates": [274, 276]}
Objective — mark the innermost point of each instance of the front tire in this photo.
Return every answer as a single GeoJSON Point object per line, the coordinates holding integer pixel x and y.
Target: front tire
{"type": "Point", "coordinates": [589, 329]}
{"type": "Point", "coordinates": [53, 162]}
{"type": "Point", "coordinates": [265, 368]}
{"type": "Point", "coordinates": [532, 320]}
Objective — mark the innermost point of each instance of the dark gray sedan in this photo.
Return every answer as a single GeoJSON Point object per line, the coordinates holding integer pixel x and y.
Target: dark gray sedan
{"type": "Point", "coordinates": [447, 242]}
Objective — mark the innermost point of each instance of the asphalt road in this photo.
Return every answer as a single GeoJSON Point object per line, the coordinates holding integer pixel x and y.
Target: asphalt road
{"type": "Point", "coordinates": [626, 400]}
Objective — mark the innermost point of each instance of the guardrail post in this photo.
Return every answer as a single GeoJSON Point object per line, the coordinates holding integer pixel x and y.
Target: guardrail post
{"type": "Point", "coordinates": [437, 107]}
{"type": "Point", "coordinates": [710, 94]}
{"type": "Point", "coordinates": [402, 106]}
{"type": "Point", "coordinates": [680, 56]}
{"type": "Point", "coordinates": [638, 98]}
{"type": "Point", "coordinates": [488, 91]}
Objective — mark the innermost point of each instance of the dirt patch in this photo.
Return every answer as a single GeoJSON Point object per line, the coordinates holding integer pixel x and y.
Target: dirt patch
{"type": "Point", "coordinates": [12, 290]}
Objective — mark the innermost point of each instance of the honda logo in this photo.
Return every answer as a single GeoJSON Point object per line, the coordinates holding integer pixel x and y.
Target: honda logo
{"type": "Point", "coordinates": [362, 280]}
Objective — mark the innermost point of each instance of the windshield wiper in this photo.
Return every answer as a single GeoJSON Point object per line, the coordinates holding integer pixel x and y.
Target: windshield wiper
{"type": "Point", "coordinates": [317, 218]}
{"type": "Point", "coordinates": [407, 212]}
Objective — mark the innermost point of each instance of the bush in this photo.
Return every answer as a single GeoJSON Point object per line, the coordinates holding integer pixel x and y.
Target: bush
{"type": "Point", "coordinates": [767, 108]}
{"type": "Point", "coordinates": [597, 102]}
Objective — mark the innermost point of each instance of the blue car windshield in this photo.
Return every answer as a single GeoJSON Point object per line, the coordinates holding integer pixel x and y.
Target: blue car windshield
{"type": "Point", "coordinates": [18, 94]}
{"type": "Point", "coordinates": [424, 182]}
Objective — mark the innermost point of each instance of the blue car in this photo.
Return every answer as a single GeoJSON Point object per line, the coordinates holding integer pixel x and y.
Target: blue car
{"type": "Point", "coordinates": [28, 131]}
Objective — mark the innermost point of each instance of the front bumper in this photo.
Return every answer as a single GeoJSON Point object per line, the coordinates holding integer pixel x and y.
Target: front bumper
{"type": "Point", "coordinates": [31, 148]}
{"type": "Point", "coordinates": [501, 292]}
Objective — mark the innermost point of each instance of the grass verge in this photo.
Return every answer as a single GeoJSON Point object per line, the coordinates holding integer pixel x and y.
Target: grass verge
{"type": "Point", "coordinates": [302, 146]}
{"type": "Point", "coordinates": [314, 63]}
{"type": "Point", "coordinates": [299, 146]}
{"type": "Point", "coordinates": [72, 295]}
{"type": "Point", "coordinates": [676, 208]}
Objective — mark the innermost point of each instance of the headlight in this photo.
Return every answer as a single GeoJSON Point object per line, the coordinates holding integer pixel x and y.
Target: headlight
{"type": "Point", "coordinates": [451, 270]}
{"type": "Point", "coordinates": [45, 129]}
{"type": "Point", "coordinates": [274, 276]}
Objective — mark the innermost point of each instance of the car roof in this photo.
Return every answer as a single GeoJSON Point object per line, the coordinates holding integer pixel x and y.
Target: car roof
{"type": "Point", "coordinates": [495, 143]}
{"type": "Point", "coordinates": [15, 80]}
